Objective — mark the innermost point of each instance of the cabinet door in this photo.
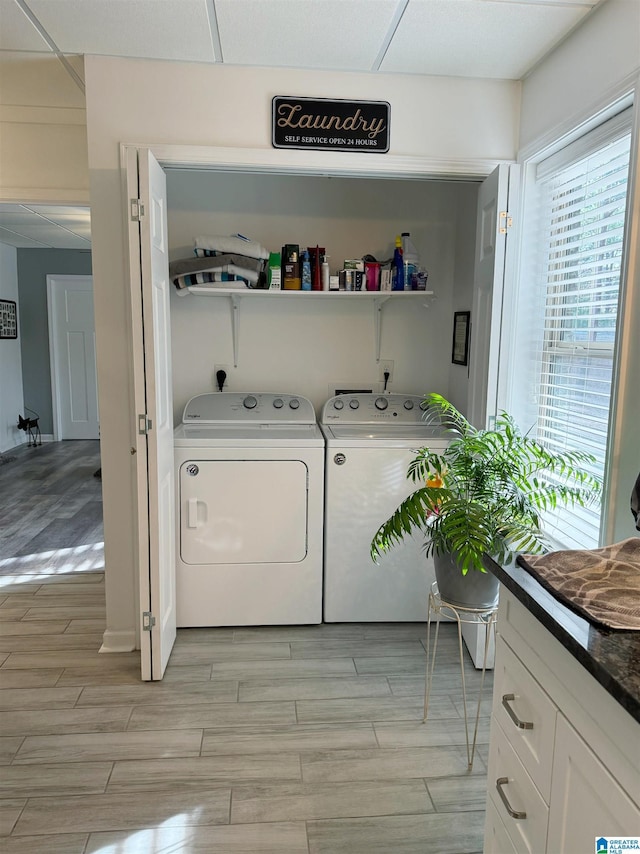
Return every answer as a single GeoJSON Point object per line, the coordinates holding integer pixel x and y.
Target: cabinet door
{"type": "Point", "coordinates": [586, 801]}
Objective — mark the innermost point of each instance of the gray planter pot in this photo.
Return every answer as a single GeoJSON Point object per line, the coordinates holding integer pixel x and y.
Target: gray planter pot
{"type": "Point", "coordinates": [473, 590]}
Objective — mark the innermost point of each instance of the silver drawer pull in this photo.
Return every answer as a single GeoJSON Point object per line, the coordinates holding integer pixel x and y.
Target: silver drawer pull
{"type": "Point", "coordinates": [519, 814]}
{"type": "Point", "coordinates": [508, 698]}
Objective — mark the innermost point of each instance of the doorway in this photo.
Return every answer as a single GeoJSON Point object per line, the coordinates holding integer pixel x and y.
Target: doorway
{"type": "Point", "coordinates": [73, 357]}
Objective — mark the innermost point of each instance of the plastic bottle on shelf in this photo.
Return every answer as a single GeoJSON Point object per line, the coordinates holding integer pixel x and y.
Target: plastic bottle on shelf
{"type": "Point", "coordinates": [411, 262]}
{"type": "Point", "coordinates": [397, 267]}
{"type": "Point", "coordinates": [306, 271]}
{"type": "Point", "coordinates": [325, 273]}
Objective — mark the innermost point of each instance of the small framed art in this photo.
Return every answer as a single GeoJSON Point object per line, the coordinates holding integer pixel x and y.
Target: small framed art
{"type": "Point", "coordinates": [8, 319]}
{"type": "Point", "coordinates": [460, 345]}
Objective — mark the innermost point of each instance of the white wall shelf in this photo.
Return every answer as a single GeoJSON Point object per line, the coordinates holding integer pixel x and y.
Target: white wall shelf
{"type": "Point", "coordinates": [375, 298]}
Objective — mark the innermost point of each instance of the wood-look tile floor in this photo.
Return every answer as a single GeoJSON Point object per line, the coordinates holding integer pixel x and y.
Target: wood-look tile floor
{"type": "Point", "coordinates": [287, 740]}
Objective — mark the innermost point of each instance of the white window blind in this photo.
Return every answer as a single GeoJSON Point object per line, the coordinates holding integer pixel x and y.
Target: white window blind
{"type": "Point", "coordinates": [581, 210]}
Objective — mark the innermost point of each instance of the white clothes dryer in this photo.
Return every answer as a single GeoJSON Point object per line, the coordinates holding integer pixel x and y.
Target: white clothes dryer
{"type": "Point", "coordinates": [370, 441]}
{"type": "Point", "coordinates": [249, 490]}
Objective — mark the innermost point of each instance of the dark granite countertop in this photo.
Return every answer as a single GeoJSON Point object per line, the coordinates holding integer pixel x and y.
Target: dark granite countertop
{"type": "Point", "coordinates": [611, 656]}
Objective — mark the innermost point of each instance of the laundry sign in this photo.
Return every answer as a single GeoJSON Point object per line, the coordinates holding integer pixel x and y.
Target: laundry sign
{"type": "Point", "coordinates": [321, 123]}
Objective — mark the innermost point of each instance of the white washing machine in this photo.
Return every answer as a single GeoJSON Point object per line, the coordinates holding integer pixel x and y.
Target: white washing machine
{"type": "Point", "coordinates": [249, 485]}
{"type": "Point", "coordinates": [371, 439]}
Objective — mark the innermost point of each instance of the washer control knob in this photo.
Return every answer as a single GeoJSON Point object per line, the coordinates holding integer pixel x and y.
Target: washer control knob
{"type": "Point", "coordinates": [294, 403]}
{"type": "Point", "coordinates": [250, 402]}
{"type": "Point", "coordinates": [408, 404]}
{"type": "Point", "coordinates": [381, 403]}
{"type": "Point", "coordinates": [338, 404]}
{"type": "Point", "coordinates": [278, 403]}
{"type": "Point", "coordinates": [353, 403]}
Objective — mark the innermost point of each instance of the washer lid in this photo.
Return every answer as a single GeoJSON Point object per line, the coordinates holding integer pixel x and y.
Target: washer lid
{"type": "Point", "coordinates": [229, 435]}
{"type": "Point", "coordinates": [414, 432]}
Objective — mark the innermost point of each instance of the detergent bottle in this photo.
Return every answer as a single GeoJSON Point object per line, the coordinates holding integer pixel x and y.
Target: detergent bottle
{"type": "Point", "coordinates": [397, 267]}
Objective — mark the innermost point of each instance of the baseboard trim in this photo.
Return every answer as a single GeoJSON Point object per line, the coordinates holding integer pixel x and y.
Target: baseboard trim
{"type": "Point", "coordinates": [123, 641]}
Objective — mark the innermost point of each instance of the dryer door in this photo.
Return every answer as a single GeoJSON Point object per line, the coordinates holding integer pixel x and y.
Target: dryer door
{"type": "Point", "coordinates": [243, 511]}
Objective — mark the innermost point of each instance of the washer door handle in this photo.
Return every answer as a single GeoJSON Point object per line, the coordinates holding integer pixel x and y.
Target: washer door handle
{"type": "Point", "coordinates": [192, 513]}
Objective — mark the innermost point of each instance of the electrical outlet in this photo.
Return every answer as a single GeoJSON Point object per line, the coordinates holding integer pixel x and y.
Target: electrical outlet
{"type": "Point", "coordinates": [216, 385]}
{"type": "Point", "coordinates": [386, 365]}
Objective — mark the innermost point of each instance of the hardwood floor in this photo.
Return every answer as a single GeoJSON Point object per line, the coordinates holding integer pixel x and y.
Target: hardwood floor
{"type": "Point", "coordinates": [287, 740]}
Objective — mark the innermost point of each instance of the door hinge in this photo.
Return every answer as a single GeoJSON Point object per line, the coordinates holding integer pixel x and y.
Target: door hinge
{"type": "Point", "coordinates": [144, 425]}
{"type": "Point", "coordinates": [506, 221]}
{"type": "Point", "coordinates": [137, 210]}
{"type": "Point", "coordinates": [148, 621]}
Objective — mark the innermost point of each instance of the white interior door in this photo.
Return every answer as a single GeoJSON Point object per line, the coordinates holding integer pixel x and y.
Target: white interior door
{"type": "Point", "coordinates": [72, 349]}
{"type": "Point", "coordinates": [486, 316]}
{"type": "Point", "coordinates": [157, 581]}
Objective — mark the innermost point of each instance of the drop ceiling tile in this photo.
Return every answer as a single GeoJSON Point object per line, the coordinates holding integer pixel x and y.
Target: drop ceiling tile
{"type": "Point", "coordinates": [13, 209]}
{"type": "Point", "coordinates": [71, 241]}
{"type": "Point", "coordinates": [51, 211]}
{"type": "Point", "coordinates": [17, 32]}
{"type": "Point", "coordinates": [10, 238]}
{"type": "Point", "coordinates": [35, 228]}
{"type": "Point", "coordinates": [342, 35]}
{"type": "Point", "coordinates": [478, 38]}
{"type": "Point", "coordinates": [17, 219]}
{"type": "Point", "coordinates": [170, 29]}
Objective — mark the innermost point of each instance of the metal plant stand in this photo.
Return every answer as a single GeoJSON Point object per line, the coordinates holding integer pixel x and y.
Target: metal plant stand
{"type": "Point", "coordinates": [480, 616]}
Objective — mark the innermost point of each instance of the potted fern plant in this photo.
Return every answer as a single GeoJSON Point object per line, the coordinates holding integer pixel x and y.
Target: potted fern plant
{"type": "Point", "coordinates": [483, 495]}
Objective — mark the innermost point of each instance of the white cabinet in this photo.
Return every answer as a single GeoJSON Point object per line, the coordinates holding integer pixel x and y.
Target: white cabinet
{"type": "Point", "coordinates": [587, 800]}
{"type": "Point", "coordinates": [563, 758]}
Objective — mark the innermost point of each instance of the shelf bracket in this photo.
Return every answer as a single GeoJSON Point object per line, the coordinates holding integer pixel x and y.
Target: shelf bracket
{"type": "Point", "coordinates": [378, 302]}
{"type": "Point", "coordinates": [235, 324]}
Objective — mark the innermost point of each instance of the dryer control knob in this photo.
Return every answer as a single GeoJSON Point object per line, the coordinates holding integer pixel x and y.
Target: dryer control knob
{"type": "Point", "coordinates": [294, 403]}
{"type": "Point", "coordinates": [338, 404]}
{"type": "Point", "coordinates": [250, 402]}
{"type": "Point", "coordinates": [381, 403]}
{"type": "Point", "coordinates": [354, 404]}
{"type": "Point", "coordinates": [408, 404]}
{"type": "Point", "coordinates": [278, 403]}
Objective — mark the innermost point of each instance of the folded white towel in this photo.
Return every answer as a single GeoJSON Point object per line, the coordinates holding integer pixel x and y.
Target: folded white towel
{"type": "Point", "coordinates": [234, 244]}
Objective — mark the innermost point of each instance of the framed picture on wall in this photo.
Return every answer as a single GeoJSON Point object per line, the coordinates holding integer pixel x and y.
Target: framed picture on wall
{"type": "Point", "coordinates": [460, 345]}
{"type": "Point", "coordinates": [8, 319]}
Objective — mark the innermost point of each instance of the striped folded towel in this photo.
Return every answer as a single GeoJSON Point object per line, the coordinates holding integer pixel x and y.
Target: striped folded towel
{"type": "Point", "coordinates": [234, 244]}
{"type": "Point", "coordinates": [221, 280]}
{"type": "Point", "coordinates": [182, 270]}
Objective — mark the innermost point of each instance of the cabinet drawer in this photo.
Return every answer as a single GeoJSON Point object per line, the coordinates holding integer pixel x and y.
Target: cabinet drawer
{"type": "Point", "coordinates": [526, 714]}
{"type": "Point", "coordinates": [496, 838]}
{"type": "Point", "coordinates": [511, 790]}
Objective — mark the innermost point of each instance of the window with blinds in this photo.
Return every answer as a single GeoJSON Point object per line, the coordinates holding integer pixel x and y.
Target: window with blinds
{"type": "Point", "coordinates": [582, 193]}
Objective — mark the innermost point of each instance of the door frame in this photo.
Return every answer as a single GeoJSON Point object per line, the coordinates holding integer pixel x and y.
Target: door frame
{"type": "Point", "coordinates": [265, 161]}
{"type": "Point", "coordinates": [54, 346]}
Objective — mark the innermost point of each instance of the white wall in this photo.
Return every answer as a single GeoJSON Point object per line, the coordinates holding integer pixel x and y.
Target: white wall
{"type": "Point", "coordinates": [43, 156]}
{"type": "Point", "coordinates": [595, 66]}
{"type": "Point", "coordinates": [457, 125]}
{"type": "Point", "coordinates": [311, 348]}
{"type": "Point", "coordinates": [11, 400]}
{"type": "Point", "coordinates": [592, 67]}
